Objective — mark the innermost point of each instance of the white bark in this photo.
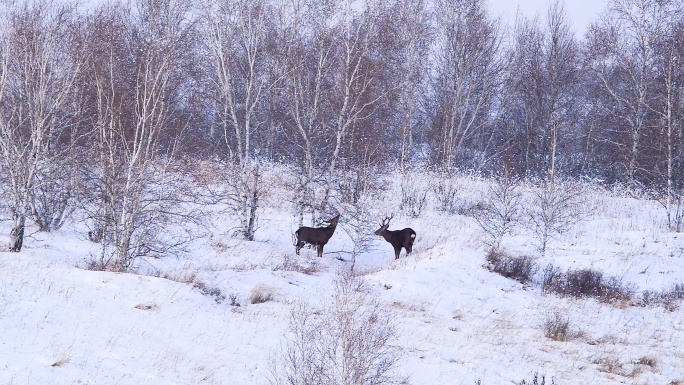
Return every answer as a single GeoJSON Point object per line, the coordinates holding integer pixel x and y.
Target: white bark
{"type": "Point", "coordinates": [38, 79]}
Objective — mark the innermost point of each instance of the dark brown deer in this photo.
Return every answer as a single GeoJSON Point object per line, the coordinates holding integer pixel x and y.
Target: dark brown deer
{"type": "Point", "coordinates": [398, 238]}
{"type": "Point", "coordinates": [317, 236]}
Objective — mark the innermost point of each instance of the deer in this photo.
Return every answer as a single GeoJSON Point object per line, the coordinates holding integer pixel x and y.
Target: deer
{"type": "Point", "coordinates": [398, 238]}
{"type": "Point", "coordinates": [317, 236]}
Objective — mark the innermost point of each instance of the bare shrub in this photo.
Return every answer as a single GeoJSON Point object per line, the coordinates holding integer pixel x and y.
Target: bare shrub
{"type": "Point", "coordinates": [557, 327]}
{"type": "Point", "coordinates": [586, 283]}
{"type": "Point", "coordinates": [445, 191]}
{"type": "Point", "coordinates": [348, 340]}
{"type": "Point", "coordinates": [261, 294]}
{"type": "Point", "coordinates": [234, 299]}
{"type": "Point", "coordinates": [413, 195]}
{"type": "Point", "coordinates": [522, 268]}
{"type": "Point", "coordinates": [359, 225]}
{"type": "Point", "coordinates": [668, 299]}
{"type": "Point", "coordinates": [550, 275]}
{"type": "Point", "coordinates": [498, 215]}
{"type": "Point", "coordinates": [353, 185]}
{"type": "Point", "coordinates": [672, 200]}
{"type": "Point", "coordinates": [555, 207]}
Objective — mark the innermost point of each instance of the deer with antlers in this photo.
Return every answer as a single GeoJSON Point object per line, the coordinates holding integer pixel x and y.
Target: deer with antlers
{"type": "Point", "coordinates": [317, 236]}
{"type": "Point", "coordinates": [398, 238]}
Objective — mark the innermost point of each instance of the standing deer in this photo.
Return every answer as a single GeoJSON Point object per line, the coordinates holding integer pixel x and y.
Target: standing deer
{"type": "Point", "coordinates": [316, 236]}
{"type": "Point", "coordinates": [398, 238]}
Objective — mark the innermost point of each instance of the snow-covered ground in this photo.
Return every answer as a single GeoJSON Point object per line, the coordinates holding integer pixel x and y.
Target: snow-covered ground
{"type": "Point", "coordinates": [458, 322]}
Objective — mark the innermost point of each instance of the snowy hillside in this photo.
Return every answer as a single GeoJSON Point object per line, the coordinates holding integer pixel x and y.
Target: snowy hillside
{"type": "Point", "coordinates": [190, 320]}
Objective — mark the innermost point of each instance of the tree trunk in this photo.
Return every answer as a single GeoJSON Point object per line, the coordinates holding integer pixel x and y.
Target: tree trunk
{"type": "Point", "coordinates": [17, 235]}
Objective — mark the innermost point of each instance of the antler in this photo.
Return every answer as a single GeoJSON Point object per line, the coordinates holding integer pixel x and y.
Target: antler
{"type": "Point", "coordinates": [387, 220]}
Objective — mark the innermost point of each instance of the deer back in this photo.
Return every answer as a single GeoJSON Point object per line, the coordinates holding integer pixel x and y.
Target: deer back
{"type": "Point", "coordinates": [397, 238]}
{"type": "Point", "coordinates": [317, 235]}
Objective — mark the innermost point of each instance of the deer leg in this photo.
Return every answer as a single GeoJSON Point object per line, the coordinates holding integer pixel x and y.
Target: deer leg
{"type": "Point", "coordinates": [320, 251]}
{"type": "Point", "coordinates": [300, 244]}
{"type": "Point", "coordinates": [397, 250]}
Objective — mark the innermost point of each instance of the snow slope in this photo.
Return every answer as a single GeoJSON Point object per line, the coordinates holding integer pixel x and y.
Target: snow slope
{"type": "Point", "coordinates": [459, 323]}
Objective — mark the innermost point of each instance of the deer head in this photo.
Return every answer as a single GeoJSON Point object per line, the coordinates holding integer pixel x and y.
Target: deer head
{"type": "Point", "coordinates": [384, 225]}
{"type": "Point", "coordinates": [333, 221]}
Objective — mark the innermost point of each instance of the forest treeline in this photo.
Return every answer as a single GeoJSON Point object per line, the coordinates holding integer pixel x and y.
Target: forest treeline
{"type": "Point", "coordinates": [96, 100]}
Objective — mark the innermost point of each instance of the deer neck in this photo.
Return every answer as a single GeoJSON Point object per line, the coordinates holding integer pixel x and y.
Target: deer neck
{"type": "Point", "coordinates": [387, 234]}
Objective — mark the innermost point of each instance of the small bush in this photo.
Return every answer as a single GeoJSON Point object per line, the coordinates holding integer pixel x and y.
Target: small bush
{"type": "Point", "coordinates": [445, 192]}
{"type": "Point", "coordinates": [557, 328]}
{"type": "Point", "coordinates": [413, 197]}
{"type": "Point", "coordinates": [261, 294]}
{"type": "Point", "coordinates": [586, 283]}
{"type": "Point", "coordinates": [500, 211]}
{"type": "Point", "coordinates": [550, 275]}
{"type": "Point", "coordinates": [522, 269]}
{"type": "Point", "coordinates": [234, 299]}
{"type": "Point", "coordinates": [668, 299]}
{"type": "Point", "coordinates": [350, 339]}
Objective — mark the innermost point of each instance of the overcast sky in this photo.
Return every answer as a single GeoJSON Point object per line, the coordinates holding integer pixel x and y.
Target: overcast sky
{"type": "Point", "coordinates": [580, 12]}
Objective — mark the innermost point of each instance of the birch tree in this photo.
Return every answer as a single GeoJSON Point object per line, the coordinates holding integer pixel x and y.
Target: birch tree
{"type": "Point", "coordinates": [542, 84]}
{"type": "Point", "coordinates": [669, 110]}
{"type": "Point", "coordinates": [622, 60]}
{"type": "Point", "coordinates": [354, 97]}
{"type": "Point", "coordinates": [236, 37]}
{"type": "Point", "coordinates": [37, 92]}
{"type": "Point", "coordinates": [133, 78]}
{"type": "Point", "coordinates": [411, 25]}
{"type": "Point", "coordinates": [466, 72]}
{"type": "Point", "coordinates": [308, 47]}
{"type": "Point", "coordinates": [331, 90]}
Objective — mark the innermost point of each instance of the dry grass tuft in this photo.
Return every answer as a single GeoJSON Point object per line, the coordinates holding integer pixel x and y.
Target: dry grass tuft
{"type": "Point", "coordinates": [190, 278]}
{"type": "Point", "coordinates": [612, 365]}
{"type": "Point", "coordinates": [650, 361]}
{"type": "Point", "coordinates": [261, 294]}
{"type": "Point", "coordinates": [557, 328]}
{"type": "Point", "coordinates": [292, 263]}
